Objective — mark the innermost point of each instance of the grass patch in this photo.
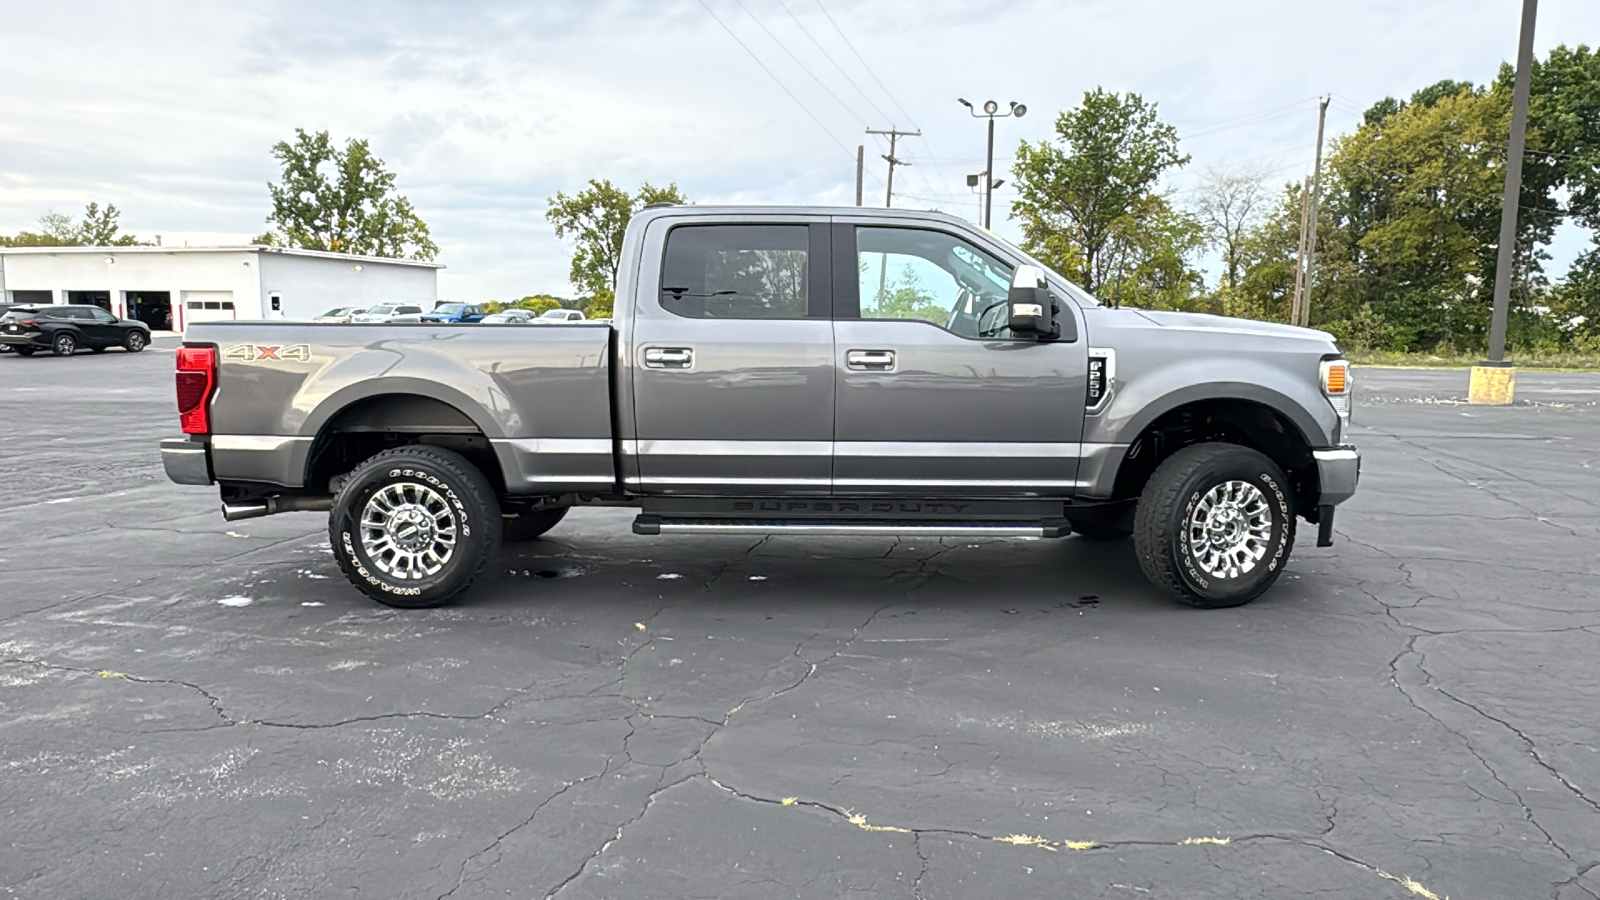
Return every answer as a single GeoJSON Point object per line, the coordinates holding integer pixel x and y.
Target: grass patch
{"type": "Point", "coordinates": [1554, 362]}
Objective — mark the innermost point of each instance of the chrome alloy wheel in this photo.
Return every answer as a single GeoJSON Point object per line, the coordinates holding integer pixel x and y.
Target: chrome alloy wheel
{"type": "Point", "coordinates": [1230, 529]}
{"type": "Point", "coordinates": [408, 530]}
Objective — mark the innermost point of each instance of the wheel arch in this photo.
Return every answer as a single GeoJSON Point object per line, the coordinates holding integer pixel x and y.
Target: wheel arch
{"type": "Point", "coordinates": [1268, 428]}
{"type": "Point", "coordinates": [367, 425]}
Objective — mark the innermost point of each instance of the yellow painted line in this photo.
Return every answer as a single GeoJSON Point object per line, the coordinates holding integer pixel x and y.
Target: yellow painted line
{"type": "Point", "coordinates": [1412, 885]}
{"type": "Point", "coordinates": [107, 673]}
{"type": "Point", "coordinates": [1221, 842]}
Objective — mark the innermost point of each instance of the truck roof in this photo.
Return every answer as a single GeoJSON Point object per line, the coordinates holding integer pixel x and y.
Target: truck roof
{"type": "Point", "coordinates": [876, 212]}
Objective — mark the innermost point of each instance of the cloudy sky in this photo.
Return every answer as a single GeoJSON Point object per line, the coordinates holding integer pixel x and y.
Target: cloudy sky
{"type": "Point", "coordinates": [484, 110]}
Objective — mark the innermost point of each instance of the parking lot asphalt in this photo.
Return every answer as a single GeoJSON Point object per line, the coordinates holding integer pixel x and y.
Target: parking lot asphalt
{"type": "Point", "coordinates": [194, 708]}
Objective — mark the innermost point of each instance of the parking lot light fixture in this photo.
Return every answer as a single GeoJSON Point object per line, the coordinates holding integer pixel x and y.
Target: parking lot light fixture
{"type": "Point", "coordinates": [991, 111]}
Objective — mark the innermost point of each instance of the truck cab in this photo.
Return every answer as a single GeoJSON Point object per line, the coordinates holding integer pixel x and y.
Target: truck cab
{"type": "Point", "coordinates": [792, 370]}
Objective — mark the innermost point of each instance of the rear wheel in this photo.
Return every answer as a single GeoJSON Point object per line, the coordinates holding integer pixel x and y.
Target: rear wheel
{"type": "Point", "coordinates": [414, 526]}
{"type": "Point", "coordinates": [1214, 525]}
{"type": "Point", "coordinates": [23, 351]}
{"type": "Point", "coordinates": [65, 344]}
{"type": "Point", "coordinates": [134, 342]}
{"type": "Point", "coordinates": [529, 525]}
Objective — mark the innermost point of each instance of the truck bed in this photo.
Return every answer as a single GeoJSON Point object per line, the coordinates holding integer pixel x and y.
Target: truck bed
{"type": "Point", "coordinates": [541, 396]}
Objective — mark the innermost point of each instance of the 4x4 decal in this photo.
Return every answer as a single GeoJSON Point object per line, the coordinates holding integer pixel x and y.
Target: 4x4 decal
{"type": "Point", "coordinates": [267, 352]}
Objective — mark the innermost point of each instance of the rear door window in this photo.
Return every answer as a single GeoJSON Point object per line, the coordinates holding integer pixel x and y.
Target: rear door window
{"type": "Point", "coordinates": [737, 272]}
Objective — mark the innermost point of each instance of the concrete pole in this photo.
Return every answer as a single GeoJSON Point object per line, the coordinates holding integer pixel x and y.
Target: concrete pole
{"type": "Point", "coordinates": [861, 162]}
{"type": "Point", "coordinates": [1509, 202]}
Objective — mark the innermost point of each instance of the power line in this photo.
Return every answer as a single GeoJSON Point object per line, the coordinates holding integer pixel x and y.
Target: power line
{"type": "Point", "coordinates": [847, 151]}
{"type": "Point", "coordinates": [797, 61]}
{"type": "Point", "coordinates": [829, 56]}
{"type": "Point", "coordinates": [881, 85]}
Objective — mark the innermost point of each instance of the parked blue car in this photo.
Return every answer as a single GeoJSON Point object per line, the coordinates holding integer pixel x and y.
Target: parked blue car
{"type": "Point", "coordinates": [456, 313]}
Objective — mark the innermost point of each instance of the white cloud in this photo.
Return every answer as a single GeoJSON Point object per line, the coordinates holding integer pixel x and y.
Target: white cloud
{"type": "Point", "coordinates": [485, 110]}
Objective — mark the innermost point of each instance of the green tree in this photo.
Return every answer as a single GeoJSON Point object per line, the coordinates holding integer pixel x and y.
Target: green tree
{"type": "Point", "coordinates": [342, 201]}
{"type": "Point", "coordinates": [1412, 214]}
{"type": "Point", "coordinates": [1081, 197]}
{"type": "Point", "coordinates": [596, 218]}
{"type": "Point", "coordinates": [539, 303]}
{"type": "Point", "coordinates": [99, 228]}
{"type": "Point", "coordinates": [1229, 204]}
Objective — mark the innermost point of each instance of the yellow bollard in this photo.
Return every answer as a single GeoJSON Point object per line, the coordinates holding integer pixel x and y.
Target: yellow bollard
{"type": "Point", "coordinates": [1492, 385]}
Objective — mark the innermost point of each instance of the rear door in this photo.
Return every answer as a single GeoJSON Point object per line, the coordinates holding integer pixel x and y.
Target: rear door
{"type": "Point", "coordinates": [934, 394]}
{"type": "Point", "coordinates": [103, 328]}
{"type": "Point", "coordinates": [732, 357]}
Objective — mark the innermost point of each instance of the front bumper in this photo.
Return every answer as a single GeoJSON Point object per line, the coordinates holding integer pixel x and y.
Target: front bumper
{"type": "Point", "coordinates": [1338, 471]}
{"type": "Point", "coordinates": [186, 461]}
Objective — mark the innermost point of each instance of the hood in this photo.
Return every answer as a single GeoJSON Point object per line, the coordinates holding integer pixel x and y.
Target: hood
{"type": "Point", "coordinates": [1227, 324]}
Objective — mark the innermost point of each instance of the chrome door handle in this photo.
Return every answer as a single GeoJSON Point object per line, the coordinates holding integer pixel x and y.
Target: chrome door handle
{"type": "Point", "coordinates": [668, 357]}
{"type": "Point", "coordinates": [870, 360]}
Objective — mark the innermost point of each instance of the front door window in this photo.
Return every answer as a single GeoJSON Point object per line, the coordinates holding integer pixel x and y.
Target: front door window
{"type": "Point", "coordinates": [931, 276]}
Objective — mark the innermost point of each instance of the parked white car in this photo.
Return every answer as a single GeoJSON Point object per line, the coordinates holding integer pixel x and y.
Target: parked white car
{"type": "Point", "coordinates": [559, 317]}
{"type": "Point", "coordinates": [388, 312]}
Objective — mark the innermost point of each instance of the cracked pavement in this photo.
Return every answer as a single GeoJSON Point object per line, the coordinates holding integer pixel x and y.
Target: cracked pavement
{"type": "Point", "coordinates": [190, 707]}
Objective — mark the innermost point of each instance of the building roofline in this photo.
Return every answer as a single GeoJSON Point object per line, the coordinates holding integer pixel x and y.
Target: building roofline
{"type": "Point", "coordinates": [239, 248]}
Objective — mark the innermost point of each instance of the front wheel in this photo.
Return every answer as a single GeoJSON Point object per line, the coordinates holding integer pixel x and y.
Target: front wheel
{"type": "Point", "coordinates": [414, 526]}
{"type": "Point", "coordinates": [1215, 525]}
{"type": "Point", "coordinates": [64, 344]}
{"type": "Point", "coordinates": [134, 342]}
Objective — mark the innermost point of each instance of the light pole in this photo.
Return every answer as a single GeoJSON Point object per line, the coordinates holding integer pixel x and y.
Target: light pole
{"type": "Point", "coordinates": [991, 111]}
{"type": "Point", "coordinates": [980, 188]}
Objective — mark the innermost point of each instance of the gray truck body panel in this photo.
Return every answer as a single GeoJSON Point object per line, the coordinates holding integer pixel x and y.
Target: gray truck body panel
{"type": "Point", "coordinates": [765, 407]}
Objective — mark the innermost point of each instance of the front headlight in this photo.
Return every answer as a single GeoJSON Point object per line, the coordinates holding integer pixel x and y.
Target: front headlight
{"type": "Point", "coordinates": [1336, 386]}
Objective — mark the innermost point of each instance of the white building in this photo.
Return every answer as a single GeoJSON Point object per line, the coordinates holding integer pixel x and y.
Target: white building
{"type": "Point", "coordinates": [169, 287]}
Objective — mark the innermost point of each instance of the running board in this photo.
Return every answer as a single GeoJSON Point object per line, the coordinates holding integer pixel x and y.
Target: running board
{"type": "Point", "coordinates": [652, 525]}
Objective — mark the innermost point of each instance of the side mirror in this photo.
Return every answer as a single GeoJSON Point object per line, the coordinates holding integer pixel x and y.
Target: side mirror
{"type": "Point", "coordinates": [1032, 311]}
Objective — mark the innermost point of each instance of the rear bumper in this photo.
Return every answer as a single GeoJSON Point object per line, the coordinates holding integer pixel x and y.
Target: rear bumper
{"type": "Point", "coordinates": [1338, 471]}
{"type": "Point", "coordinates": [35, 339]}
{"type": "Point", "coordinates": [186, 461]}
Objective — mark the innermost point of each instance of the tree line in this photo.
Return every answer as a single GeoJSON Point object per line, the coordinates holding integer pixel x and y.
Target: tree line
{"type": "Point", "coordinates": [1407, 226]}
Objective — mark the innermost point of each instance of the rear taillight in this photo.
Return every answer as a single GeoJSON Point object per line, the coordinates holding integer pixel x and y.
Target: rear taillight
{"type": "Point", "coordinates": [197, 378]}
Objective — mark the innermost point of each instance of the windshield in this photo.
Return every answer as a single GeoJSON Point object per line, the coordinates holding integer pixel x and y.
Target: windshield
{"type": "Point", "coordinates": [556, 314]}
{"type": "Point", "coordinates": [449, 309]}
{"type": "Point", "coordinates": [380, 310]}
{"type": "Point", "coordinates": [338, 311]}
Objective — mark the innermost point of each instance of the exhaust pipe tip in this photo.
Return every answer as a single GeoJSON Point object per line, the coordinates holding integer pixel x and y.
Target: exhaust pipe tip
{"type": "Point", "coordinates": [233, 512]}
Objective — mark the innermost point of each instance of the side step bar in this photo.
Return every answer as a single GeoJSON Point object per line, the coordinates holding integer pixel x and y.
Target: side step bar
{"type": "Point", "coordinates": [652, 525]}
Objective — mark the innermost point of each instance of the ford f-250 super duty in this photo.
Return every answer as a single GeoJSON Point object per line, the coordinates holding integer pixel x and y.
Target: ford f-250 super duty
{"type": "Point", "coordinates": [785, 371]}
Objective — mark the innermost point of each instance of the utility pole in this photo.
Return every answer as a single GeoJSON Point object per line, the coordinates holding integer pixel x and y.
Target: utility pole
{"type": "Point", "coordinates": [1311, 244]}
{"type": "Point", "coordinates": [894, 135]}
{"type": "Point", "coordinates": [1298, 297]}
{"type": "Point", "coordinates": [861, 161]}
{"type": "Point", "coordinates": [1493, 382]}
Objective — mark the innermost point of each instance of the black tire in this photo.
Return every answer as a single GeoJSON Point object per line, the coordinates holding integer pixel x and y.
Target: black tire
{"type": "Point", "coordinates": [1100, 531]}
{"type": "Point", "coordinates": [97, 349]}
{"type": "Point", "coordinates": [65, 343]}
{"type": "Point", "coordinates": [23, 351]}
{"type": "Point", "coordinates": [530, 525]}
{"type": "Point", "coordinates": [1167, 509]}
{"type": "Point", "coordinates": [135, 341]}
{"type": "Point", "coordinates": [465, 501]}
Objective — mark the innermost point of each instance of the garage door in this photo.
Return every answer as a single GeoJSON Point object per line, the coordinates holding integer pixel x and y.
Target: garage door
{"type": "Point", "coordinates": [208, 306]}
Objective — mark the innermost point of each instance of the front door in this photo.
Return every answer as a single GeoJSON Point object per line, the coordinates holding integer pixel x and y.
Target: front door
{"type": "Point", "coordinates": [935, 395]}
{"type": "Point", "coordinates": [732, 359]}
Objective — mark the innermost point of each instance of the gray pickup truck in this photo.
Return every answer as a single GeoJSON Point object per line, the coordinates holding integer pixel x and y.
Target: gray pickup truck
{"type": "Point", "coordinates": [785, 371]}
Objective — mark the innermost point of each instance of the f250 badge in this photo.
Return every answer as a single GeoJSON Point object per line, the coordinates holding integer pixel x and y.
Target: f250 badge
{"type": "Point", "coordinates": [266, 353]}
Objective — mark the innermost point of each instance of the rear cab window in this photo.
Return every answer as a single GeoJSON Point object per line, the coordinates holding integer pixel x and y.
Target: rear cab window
{"type": "Point", "coordinates": [739, 271]}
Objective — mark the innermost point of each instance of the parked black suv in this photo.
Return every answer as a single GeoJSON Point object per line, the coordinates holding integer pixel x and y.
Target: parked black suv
{"type": "Point", "coordinates": [63, 329]}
